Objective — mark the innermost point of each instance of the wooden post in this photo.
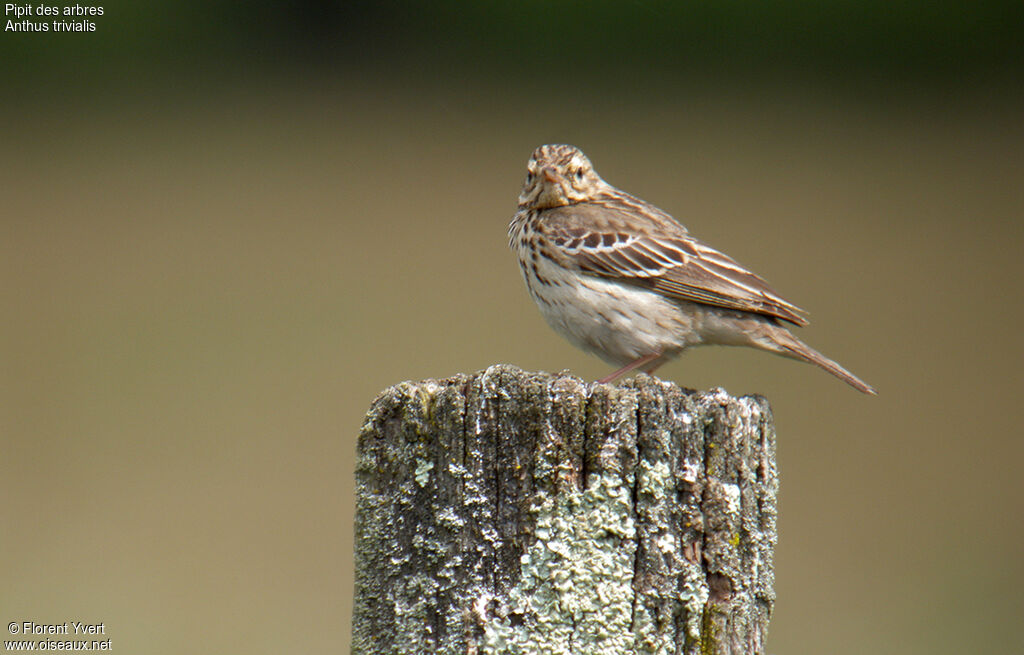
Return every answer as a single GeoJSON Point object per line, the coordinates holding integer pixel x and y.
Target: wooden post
{"type": "Point", "coordinates": [516, 512]}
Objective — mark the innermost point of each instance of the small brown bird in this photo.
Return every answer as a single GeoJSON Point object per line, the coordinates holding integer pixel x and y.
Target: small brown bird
{"type": "Point", "coordinates": [620, 278]}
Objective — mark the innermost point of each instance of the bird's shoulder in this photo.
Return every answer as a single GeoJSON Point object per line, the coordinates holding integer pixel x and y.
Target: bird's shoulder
{"type": "Point", "coordinates": [618, 213]}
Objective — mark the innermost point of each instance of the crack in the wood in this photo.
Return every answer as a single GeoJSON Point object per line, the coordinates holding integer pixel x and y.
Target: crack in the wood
{"type": "Point", "coordinates": [635, 494]}
{"type": "Point", "coordinates": [472, 630]}
{"type": "Point", "coordinates": [585, 438]}
{"type": "Point", "coordinates": [496, 517]}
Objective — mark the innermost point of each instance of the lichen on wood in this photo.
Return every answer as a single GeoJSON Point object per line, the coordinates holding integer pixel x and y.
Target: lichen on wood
{"type": "Point", "coordinates": [516, 512]}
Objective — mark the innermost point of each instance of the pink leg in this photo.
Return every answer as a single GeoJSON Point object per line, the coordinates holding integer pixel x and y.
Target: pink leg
{"type": "Point", "coordinates": [646, 359]}
{"type": "Point", "coordinates": [653, 367]}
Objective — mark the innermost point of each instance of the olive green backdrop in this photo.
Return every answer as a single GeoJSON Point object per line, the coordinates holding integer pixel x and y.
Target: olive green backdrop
{"type": "Point", "coordinates": [224, 228]}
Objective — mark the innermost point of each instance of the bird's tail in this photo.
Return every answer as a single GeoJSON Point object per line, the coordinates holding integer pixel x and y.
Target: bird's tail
{"type": "Point", "coordinates": [780, 340]}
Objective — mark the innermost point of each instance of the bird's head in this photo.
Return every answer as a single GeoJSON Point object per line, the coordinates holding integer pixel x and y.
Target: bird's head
{"type": "Point", "coordinates": [558, 175]}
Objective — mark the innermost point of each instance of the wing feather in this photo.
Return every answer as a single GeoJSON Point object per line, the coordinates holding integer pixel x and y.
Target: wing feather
{"type": "Point", "coordinates": [624, 238]}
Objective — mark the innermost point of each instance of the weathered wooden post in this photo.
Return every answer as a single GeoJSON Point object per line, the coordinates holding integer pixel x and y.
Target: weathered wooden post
{"type": "Point", "coordinates": [516, 512]}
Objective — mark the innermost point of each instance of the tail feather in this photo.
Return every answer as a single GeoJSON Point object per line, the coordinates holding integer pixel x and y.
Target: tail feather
{"type": "Point", "coordinates": [784, 343]}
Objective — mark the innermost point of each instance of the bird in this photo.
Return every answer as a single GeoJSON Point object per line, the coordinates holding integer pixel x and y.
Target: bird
{"type": "Point", "coordinates": [622, 279]}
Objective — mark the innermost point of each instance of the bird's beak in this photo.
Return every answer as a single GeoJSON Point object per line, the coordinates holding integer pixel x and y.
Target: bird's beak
{"type": "Point", "coordinates": [549, 174]}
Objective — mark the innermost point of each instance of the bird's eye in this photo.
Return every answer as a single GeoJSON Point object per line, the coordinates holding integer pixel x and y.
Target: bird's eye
{"type": "Point", "coordinates": [579, 174]}
{"type": "Point", "coordinates": [529, 177]}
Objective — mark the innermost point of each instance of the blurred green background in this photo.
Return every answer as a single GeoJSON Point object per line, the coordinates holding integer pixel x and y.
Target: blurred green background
{"type": "Point", "coordinates": [226, 226]}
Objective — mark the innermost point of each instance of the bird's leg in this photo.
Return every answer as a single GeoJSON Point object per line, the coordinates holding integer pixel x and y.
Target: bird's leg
{"type": "Point", "coordinates": [649, 370]}
{"type": "Point", "coordinates": [646, 359]}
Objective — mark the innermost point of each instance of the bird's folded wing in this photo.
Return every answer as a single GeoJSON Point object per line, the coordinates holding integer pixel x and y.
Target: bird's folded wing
{"type": "Point", "coordinates": [639, 248]}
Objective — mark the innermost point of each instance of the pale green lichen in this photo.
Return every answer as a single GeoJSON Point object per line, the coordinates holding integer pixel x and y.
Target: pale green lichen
{"type": "Point", "coordinates": [423, 469]}
{"type": "Point", "coordinates": [657, 480]}
{"type": "Point", "coordinates": [731, 492]}
{"type": "Point", "coordinates": [575, 593]}
{"type": "Point", "coordinates": [413, 607]}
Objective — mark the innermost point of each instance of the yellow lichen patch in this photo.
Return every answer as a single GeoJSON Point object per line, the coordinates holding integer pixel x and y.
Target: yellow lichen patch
{"type": "Point", "coordinates": [708, 633]}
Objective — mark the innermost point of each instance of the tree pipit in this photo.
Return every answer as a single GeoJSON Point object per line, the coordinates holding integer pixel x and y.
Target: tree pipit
{"type": "Point", "coordinates": [620, 278]}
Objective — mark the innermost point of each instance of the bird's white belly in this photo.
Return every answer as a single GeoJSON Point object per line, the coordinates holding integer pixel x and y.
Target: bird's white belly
{"type": "Point", "coordinates": [618, 322]}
